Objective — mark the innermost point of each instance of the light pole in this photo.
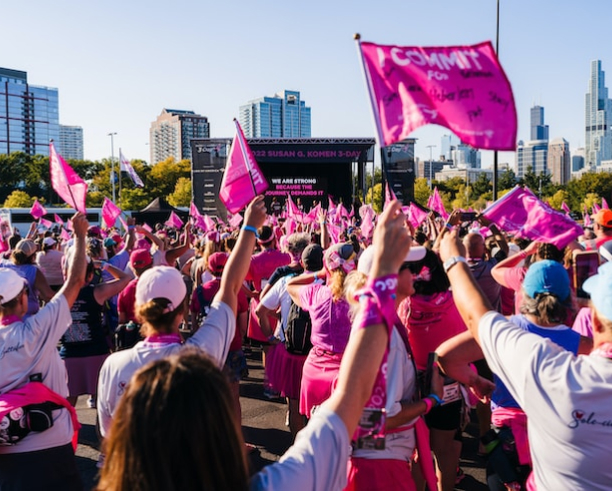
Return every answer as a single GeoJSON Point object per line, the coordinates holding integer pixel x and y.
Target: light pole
{"type": "Point", "coordinates": [113, 164]}
{"type": "Point", "coordinates": [431, 147]}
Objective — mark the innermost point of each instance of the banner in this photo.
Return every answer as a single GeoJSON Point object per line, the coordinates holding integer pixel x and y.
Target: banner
{"type": "Point", "coordinates": [66, 182]}
{"type": "Point", "coordinates": [242, 179]}
{"type": "Point", "coordinates": [522, 213]}
{"type": "Point", "coordinates": [462, 88]}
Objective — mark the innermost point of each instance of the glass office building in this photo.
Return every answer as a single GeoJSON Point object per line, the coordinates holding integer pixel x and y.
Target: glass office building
{"type": "Point", "coordinates": [29, 115]}
{"type": "Point", "coordinates": [284, 115]}
{"type": "Point", "coordinates": [171, 133]}
{"type": "Point", "coordinates": [71, 142]}
{"type": "Point", "coordinates": [598, 136]}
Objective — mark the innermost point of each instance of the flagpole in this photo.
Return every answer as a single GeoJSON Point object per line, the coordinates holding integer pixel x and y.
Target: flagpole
{"type": "Point", "coordinates": [119, 173]}
{"type": "Point", "coordinates": [65, 176]}
{"type": "Point", "coordinates": [495, 155]}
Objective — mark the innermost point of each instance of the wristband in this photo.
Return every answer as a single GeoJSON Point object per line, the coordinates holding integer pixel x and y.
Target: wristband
{"type": "Point", "coordinates": [378, 302]}
{"type": "Point", "coordinates": [522, 254]}
{"type": "Point", "coordinates": [271, 338]}
{"type": "Point", "coordinates": [428, 404]}
{"type": "Point", "coordinates": [131, 227]}
{"type": "Point", "coordinates": [439, 401]}
{"type": "Point", "coordinates": [250, 228]}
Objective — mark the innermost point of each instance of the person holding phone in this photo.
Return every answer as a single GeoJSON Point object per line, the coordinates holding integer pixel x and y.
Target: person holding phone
{"type": "Point", "coordinates": [602, 228]}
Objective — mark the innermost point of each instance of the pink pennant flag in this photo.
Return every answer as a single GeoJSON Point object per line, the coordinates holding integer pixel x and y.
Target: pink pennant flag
{"type": "Point", "coordinates": [290, 226]}
{"type": "Point", "coordinates": [147, 227]}
{"type": "Point", "coordinates": [334, 232]}
{"type": "Point", "coordinates": [341, 211]}
{"type": "Point", "coordinates": [331, 207]}
{"type": "Point", "coordinates": [292, 209]}
{"type": "Point", "coordinates": [197, 217]}
{"type": "Point", "coordinates": [235, 220]}
{"type": "Point", "coordinates": [66, 182]}
{"type": "Point", "coordinates": [210, 223]}
{"type": "Point", "coordinates": [174, 221]}
{"type": "Point", "coordinates": [416, 215]}
{"type": "Point", "coordinates": [57, 219]}
{"type": "Point", "coordinates": [462, 88]}
{"type": "Point", "coordinates": [596, 208]}
{"type": "Point", "coordinates": [64, 235]}
{"type": "Point", "coordinates": [110, 212]}
{"type": "Point", "coordinates": [604, 204]}
{"type": "Point", "coordinates": [45, 223]}
{"type": "Point", "coordinates": [389, 194]}
{"type": "Point", "coordinates": [242, 179]}
{"type": "Point", "coordinates": [435, 203]}
{"type": "Point", "coordinates": [367, 225]}
{"type": "Point", "coordinates": [565, 208]}
{"type": "Point", "coordinates": [37, 210]}
{"type": "Point", "coordinates": [126, 166]}
{"type": "Point", "coordinates": [522, 213]}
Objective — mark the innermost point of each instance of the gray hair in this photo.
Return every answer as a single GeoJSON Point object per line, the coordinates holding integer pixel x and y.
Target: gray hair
{"type": "Point", "coordinates": [546, 307]}
{"type": "Point", "coordinates": [297, 242]}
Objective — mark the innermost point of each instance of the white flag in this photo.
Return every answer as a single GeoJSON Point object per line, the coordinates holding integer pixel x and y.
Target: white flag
{"type": "Point", "coordinates": [127, 167]}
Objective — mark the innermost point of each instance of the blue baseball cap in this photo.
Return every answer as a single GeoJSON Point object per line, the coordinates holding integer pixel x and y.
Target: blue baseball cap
{"type": "Point", "coordinates": [547, 276]}
{"type": "Point", "coordinates": [599, 286]}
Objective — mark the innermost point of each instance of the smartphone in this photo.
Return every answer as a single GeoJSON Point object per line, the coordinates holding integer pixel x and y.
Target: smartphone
{"type": "Point", "coordinates": [468, 216]}
{"type": "Point", "coordinates": [585, 266]}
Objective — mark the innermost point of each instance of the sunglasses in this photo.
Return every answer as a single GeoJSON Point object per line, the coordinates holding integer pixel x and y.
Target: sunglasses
{"type": "Point", "coordinates": [415, 268]}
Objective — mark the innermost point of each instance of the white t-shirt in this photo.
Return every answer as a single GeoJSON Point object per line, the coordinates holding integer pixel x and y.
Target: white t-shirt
{"type": "Point", "coordinates": [567, 399]}
{"type": "Point", "coordinates": [277, 296]}
{"type": "Point", "coordinates": [30, 347]}
{"type": "Point", "coordinates": [214, 338]}
{"type": "Point", "coordinates": [401, 384]}
{"type": "Point", "coordinates": [316, 461]}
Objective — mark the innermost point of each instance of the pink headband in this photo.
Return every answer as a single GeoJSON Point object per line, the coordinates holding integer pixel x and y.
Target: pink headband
{"type": "Point", "coordinates": [333, 260]}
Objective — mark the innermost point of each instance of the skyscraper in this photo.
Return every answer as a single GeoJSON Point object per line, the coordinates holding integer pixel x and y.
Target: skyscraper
{"type": "Point", "coordinates": [71, 142]}
{"type": "Point", "coordinates": [29, 114]}
{"type": "Point", "coordinates": [539, 130]}
{"type": "Point", "coordinates": [559, 161]}
{"type": "Point", "coordinates": [598, 118]}
{"type": "Point", "coordinates": [284, 115]}
{"type": "Point", "coordinates": [171, 133]}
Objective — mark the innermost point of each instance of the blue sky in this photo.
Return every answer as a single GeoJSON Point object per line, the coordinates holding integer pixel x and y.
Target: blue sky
{"type": "Point", "coordinates": [117, 63]}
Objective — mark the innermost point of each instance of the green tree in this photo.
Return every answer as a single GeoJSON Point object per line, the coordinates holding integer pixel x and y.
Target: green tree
{"type": "Point", "coordinates": [19, 199]}
{"type": "Point", "coordinates": [421, 191]}
{"type": "Point", "coordinates": [134, 199]}
{"type": "Point", "coordinates": [590, 199]}
{"type": "Point", "coordinates": [482, 185]}
{"type": "Point", "coordinates": [375, 197]}
{"type": "Point", "coordinates": [507, 179]}
{"type": "Point", "coordinates": [557, 199]}
{"type": "Point", "coordinates": [163, 176]}
{"type": "Point", "coordinates": [182, 193]}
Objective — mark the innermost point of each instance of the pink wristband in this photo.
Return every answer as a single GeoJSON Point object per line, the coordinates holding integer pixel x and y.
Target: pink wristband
{"type": "Point", "coordinates": [428, 404]}
{"type": "Point", "coordinates": [378, 302]}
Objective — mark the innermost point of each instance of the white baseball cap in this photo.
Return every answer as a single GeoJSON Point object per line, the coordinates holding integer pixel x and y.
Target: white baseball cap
{"type": "Point", "coordinates": [366, 259]}
{"type": "Point", "coordinates": [161, 282]}
{"type": "Point", "coordinates": [11, 285]}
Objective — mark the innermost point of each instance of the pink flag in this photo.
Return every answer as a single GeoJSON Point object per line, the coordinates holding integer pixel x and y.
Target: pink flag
{"type": "Point", "coordinates": [45, 223]}
{"type": "Point", "coordinates": [110, 212]}
{"type": "Point", "coordinates": [174, 221]}
{"type": "Point", "coordinates": [586, 220]}
{"type": "Point", "coordinates": [462, 88]}
{"type": "Point", "coordinates": [292, 209]}
{"type": "Point", "coordinates": [290, 226]}
{"type": "Point", "coordinates": [147, 227]}
{"type": "Point", "coordinates": [435, 203]}
{"type": "Point", "coordinates": [123, 223]}
{"type": "Point", "coordinates": [67, 183]}
{"type": "Point", "coordinates": [242, 179]}
{"type": "Point", "coordinates": [604, 204]}
{"type": "Point", "coordinates": [37, 210]}
{"type": "Point", "coordinates": [334, 232]}
{"type": "Point", "coordinates": [235, 220]}
{"type": "Point", "coordinates": [522, 213]}
{"type": "Point", "coordinates": [58, 219]}
{"type": "Point", "coordinates": [331, 207]}
{"type": "Point", "coordinates": [197, 217]}
{"type": "Point", "coordinates": [417, 215]}
{"type": "Point", "coordinates": [126, 166]}
{"type": "Point", "coordinates": [367, 225]}
{"type": "Point", "coordinates": [64, 234]}
{"type": "Point", "coordinates": [210, 223]}
{"type": "Point", "coordinates": [595, 208]}
{"type": "Point", "coordinates": [4, 246]}
{"type": "Point", "coordinates": [565, 208]}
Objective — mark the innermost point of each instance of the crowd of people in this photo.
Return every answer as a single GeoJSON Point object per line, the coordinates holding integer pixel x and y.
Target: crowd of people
{"type": "Point", "coordinates": [381, 342]}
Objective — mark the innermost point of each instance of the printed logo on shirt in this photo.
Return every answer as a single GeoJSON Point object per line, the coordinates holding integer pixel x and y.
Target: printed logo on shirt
{"type": "Point", "coordinates": [580, 417]}
{"type": "Point", "coordinates": [10, 349]}
{"type": "Point", "coordinates": [122, 385]}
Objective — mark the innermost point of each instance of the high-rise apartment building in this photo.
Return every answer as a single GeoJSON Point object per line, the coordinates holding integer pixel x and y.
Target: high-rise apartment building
{"type": "Point", "coordinates": [171, 134]}
{"type": "Point", "coordinates": [559, 161]}
{"type": "Point", "coordinates": [539, 130]}
{"type": "Point", "coordinates": [29, 114]}
{"type": "Point", "coordinates": [284, 115]}
{"type": "Point", "coordinates": [578, 159]}
{"type": "Point", "coordinates": [598, 118]}
{"type": "Point", "coordinates": [71, 142]}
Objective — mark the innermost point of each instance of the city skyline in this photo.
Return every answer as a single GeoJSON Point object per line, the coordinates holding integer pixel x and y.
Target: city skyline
{"type": "Point", "coordinates": [118, 83]}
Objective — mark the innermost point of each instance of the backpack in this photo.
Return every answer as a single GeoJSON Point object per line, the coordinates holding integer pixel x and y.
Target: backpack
{"type": "Point", "coordinates": [297, 332]}
{"type": "Point", "coordinates": [127, 335]}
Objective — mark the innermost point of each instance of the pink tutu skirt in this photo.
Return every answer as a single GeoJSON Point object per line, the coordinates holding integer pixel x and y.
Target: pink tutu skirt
{"type": "Point", "coordinates": [318, 378]}
{"type": "Point", "coordinates": [284, 371]}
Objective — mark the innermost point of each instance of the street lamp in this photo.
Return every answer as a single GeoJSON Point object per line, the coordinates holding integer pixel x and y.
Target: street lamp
{"type": "Point", "coordinates": [431, 147]}
{"type": "Point", "coordinates": [113, 164]}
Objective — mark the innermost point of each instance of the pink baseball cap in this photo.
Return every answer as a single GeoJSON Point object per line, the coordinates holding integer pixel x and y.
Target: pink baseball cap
{"type": "Point", "coordinates": [161, 282]}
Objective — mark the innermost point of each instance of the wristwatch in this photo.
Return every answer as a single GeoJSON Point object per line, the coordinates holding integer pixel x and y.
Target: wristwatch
{"type": "Point", "coordinates": [451, 261]}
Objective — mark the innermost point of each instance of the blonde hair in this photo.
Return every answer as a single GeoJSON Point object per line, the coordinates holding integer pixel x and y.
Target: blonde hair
{"type": "Point", "coordinates": [154, 319]}
{"type": "Point", "coordinates": [353, 282]}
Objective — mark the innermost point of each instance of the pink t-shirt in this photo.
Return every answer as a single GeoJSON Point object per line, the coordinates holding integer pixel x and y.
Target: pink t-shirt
{"type": "Point", "coordinates": [331, 324]}
{"type": "Point", "coordinates": [431, 320]}
{"type": "Point", "coordinates": [262, 267]}
{"type": "Point", "coordinates": [513, 277]}
{"type": "Point", "coordinates": [583, 324]}
{"type": "Point", "coordinates": [127, 300]}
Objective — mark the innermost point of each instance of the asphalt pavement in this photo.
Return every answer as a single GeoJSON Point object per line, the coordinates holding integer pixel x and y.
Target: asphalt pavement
{"type": "Point", "coordinates": [264, 427]}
